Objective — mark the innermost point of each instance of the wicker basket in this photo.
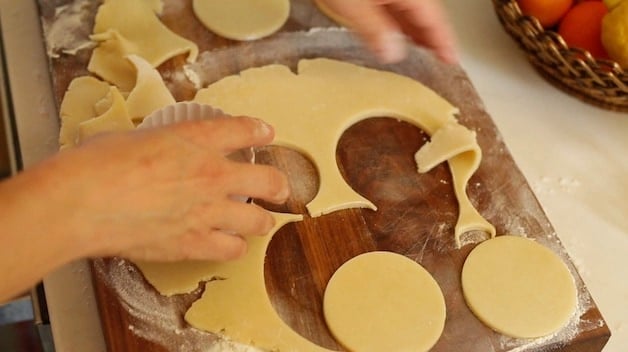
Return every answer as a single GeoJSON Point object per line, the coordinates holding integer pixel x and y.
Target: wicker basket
{"type": "Point", "coordinates": [600, 82]}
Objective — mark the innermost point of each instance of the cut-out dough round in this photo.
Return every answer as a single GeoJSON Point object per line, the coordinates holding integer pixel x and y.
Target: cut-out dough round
{"type": "Point", "coordinates": [331, 14]}
{"type": "Point", "coordinates": [383, 301]}
{"type": "Point", "coordinates": [518, 287]}
{"type": "Point", "coordinates": [242, 19]}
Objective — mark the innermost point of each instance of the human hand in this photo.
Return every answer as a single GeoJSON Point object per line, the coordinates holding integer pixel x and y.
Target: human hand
{"type": "Point", "coordinates": [166, 193]}
{"type": "Point", "coordinates": [383, 23]}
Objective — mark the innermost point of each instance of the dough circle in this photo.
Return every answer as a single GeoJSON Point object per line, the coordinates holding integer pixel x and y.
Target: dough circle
{"type": "Point", "coordinates": [331, 14]}
{"type": "Point", "coordinates": [518, 287]}
{"type": "Point", "coordinates": [383, 301]}
{"type": "Point", "coordinates": [242, 19]}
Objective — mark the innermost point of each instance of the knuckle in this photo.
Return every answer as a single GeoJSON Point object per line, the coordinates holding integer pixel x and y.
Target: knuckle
{"type": "Point", "coordinates": [262, 222]}
{"type": "Point", "coordinates": [276, 184]}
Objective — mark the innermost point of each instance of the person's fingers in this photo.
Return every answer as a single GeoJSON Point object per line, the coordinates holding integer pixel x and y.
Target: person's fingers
{"type": "Point", "coordinates": [226, 134]}
{"type": "Point", "coordinates": [242, 218]}
{"type": "Point", "coordinates": [214, 245]}
{"type": "Point", "coordinates": [426, 23]}
{"type": "Point", "coordinates": [375, 25]}
{"type": "Point", "coordinates": [258, 181]}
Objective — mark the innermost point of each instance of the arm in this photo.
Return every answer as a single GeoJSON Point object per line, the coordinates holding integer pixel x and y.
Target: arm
{"type": "Point", "coordinates": [382, 24]}
{"type": "Point", "coordinates": [162, 194]}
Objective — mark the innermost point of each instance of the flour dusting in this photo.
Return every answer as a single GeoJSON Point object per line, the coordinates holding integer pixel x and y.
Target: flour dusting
{"type": "Point", "coordinates": [157, 318]}
{"type": "Point", "coordinates": [562, 337]}
{"type": "Point", "coordinates": [66, 33]}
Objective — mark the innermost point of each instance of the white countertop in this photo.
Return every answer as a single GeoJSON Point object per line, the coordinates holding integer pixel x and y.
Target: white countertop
{"type": "Point", "coordinates": [575, 156]}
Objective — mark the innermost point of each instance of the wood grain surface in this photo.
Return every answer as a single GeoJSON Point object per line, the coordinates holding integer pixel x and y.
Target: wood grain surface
{"type": "Point", "coordinates": [416, 215]}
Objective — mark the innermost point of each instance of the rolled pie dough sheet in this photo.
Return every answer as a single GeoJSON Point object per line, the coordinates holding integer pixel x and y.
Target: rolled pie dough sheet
{"type": "Point", "coordinates": [518, 287]}
{"type": "Point", "coordinates": [156, 5]}
{"type": "Point", "coordinates": [311, 109]}
{"type": "Point", "coordinates": [242, 19]}
{"type": "Point", "coordinates": [383, 301]}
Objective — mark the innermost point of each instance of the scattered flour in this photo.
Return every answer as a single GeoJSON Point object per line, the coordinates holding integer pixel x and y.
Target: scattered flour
{"type": "Point", "coordinates": [66, 32]}
{"type": "Point", "coordinates": [157, 318]}
{"type": "Point", "coordinates": [553, 185]}
{"type": "Point", "coordinates": [575, 325]}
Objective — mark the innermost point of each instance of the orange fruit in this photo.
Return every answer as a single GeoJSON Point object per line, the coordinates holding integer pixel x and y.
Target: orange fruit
{"type": "Point", "coordinates": [548, 12]}
{"type": "Point", "coordinates": [581, 27]}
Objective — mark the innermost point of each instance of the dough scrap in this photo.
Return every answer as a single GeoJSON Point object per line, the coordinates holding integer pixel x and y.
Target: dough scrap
{"type": "Point", "coordinates": [456, 144]}
{"type": "Point", "coordinates": [139, 32]}
{"type": "Point", "coordinates": [150, 93]}
{"type": "Point", "coordinates": [91, 106]}
{"type": "Point", "coordinates": [78, 105]}
{"type": "Point", "coordinates": [328, 96]}
{"type": "Point", "coordinates": [518, 287]}
{"type": "Point", "coordinates": [323, 99]}
{"type": "Point", "coordinates": [242, 19]}
{"type": "Point", "coordinates": [115, 119]}
{"type": "Point", "coordinates": [383, 301]}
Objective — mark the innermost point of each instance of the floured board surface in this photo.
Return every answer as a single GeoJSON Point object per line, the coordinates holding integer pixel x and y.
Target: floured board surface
{"type": "Point", "coordinates": [416, 215]}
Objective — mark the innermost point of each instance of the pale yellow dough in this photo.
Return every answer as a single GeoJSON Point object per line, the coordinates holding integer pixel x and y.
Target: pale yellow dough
{"type": "Point", "coordinates": [114, 119]}
{"type": "Point", "coordinates": [91, 106]}
{"type": "Point", "coordinates": [236, 303]}
{"type": "Point", "coordinates": [331, 14]}
{"type": "Point", "coordinates": [125, 27]}
{"type": "Point", "coordinates": [310, 111]}
{"type": "Point", "coordinates": [383, 301]}
{"type": "Point", "coordinates": [242, 19]}
{"type": "Point", "coordinates": [150, 93]}
{"type": "Point", "coordinates": [518, 287]}
{"type": "Point", "coordinates": [78, 106]}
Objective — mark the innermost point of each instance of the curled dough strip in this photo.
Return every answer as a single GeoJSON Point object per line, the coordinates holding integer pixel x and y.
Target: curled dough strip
{"type": "Point", "coordinates": [457, 145]}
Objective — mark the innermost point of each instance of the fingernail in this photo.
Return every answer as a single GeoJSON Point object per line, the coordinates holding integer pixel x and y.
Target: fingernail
{"type": "Point", "coordinates": [391, 47]}
{"type": "Point", "coordinates": [263, 129]}
{"type": "Point", "coordinates": [450, 57]}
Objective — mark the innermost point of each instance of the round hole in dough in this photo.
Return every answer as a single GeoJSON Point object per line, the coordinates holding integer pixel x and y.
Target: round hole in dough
{"type": "Point", "coordinates": [383, 301]}
{"type": "Point", "coordinates": [242, 19]}
{"type": "Point", "coordinates": [518, 287]}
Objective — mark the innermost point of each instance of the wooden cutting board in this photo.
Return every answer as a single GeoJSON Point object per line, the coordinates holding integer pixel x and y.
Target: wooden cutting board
{"type": "Point", "coordinates": [416, 216]}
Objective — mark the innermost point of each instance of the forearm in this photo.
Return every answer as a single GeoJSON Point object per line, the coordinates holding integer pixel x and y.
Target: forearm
{"type": "Point", "coordinates": [36, 237]}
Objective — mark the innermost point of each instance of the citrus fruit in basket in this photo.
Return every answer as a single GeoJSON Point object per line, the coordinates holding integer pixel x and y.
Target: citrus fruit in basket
{"type": "Point", "coordinates": [581, 27]}
{"type": "Point", "coordinates": [615, 33]}
{"type": "Point", "coordinates": [612, 3]}
{"type": "Point", "coordinates": [548, 12]}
